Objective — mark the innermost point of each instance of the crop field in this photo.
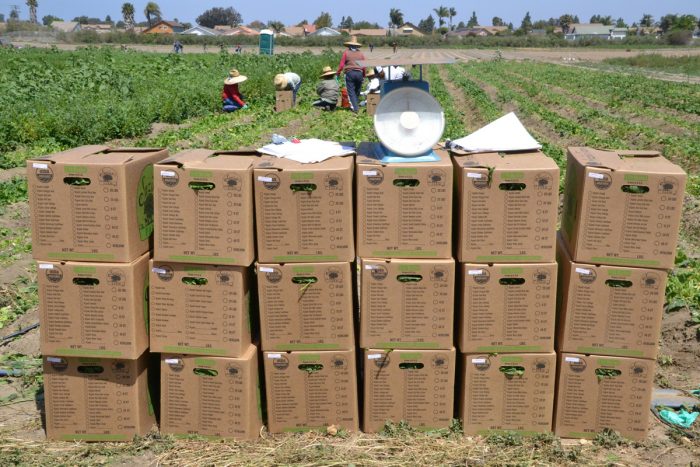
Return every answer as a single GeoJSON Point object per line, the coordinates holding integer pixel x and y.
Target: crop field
{"type": "Point", "coordinates": [52, 100]}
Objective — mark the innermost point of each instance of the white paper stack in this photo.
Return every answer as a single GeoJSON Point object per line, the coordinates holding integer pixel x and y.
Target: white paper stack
{"type": "Point", "coordinates": [308, 151]}
{"type": "Point", "coordinates": [502, 135]}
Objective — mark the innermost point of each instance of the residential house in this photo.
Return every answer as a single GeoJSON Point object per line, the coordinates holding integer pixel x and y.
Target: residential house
{"type": "Point", "coordinates": [98, 28]}
{"type": "Point", "coordinates": [406, 29]}
{"type": "Point", "coordinates": [300, 31]}
{"type": "Point", "coordinates": [66, 26]}
{"type": "Point", "coordinates": [479, 31]}
{"type": "Point", "coordinates": [367, 32]}
{"type": "Point", "coordinates": [165, 27]}
{"type": "Point", "coordinates": [201, 31]}
{"type": "Point", "coordinates": [593, 31]}
{"type": "Point", "coordinates": [241, 31]}
{"type": "Point", "coordinates": [325, 32]}
{"type": "Point", "coordinates": [538, 32]}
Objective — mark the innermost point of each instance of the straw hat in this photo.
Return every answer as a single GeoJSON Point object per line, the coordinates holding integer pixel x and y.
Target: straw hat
{"type": "Point", "coordinates": [327, 71]}
{"type": "Point", "coordinates": [353, 41]}
{"type": "Point", "coordinates": [370, 73]}
{"type": "Point", "coordinates": [280, 82]}
{"type": "Point", "coordinates": [235, 77]}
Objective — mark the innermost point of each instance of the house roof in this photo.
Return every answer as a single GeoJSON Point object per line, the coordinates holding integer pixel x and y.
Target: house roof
{"type": "Point", "coordinates": [594, 28]}
{"type": "Point", "coordinates": [367, 32]}
{"type": "Point", "coordinates": [325, 32]}
{"type": "Point", "coordinates": [207, 31]}
{"type": "Point", "coordinates": [65, 26]}
{"type": "Point", "coordinates": [494, 29]}
{"type": "Point", "coordinates": [413, 27]}
{"type": "Point", "coordinates": [240, 31]}
{"type": "Point", "coordinates": [299, 30]}
{"type": "Point", "coordinates": [172, 24]}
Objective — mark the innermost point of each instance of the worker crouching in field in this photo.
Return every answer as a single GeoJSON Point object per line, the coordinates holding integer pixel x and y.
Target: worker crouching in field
{"type": "Point", "coordinates": [288, 82]}
{"type": "Point", "coordinates": [231, 96]}
{"type": "Point", "coordinates": [328, 90]}
{"type": "Point", "coordinates": [354, 73]}
{"type": "Point", "coordinates": [373, 87]}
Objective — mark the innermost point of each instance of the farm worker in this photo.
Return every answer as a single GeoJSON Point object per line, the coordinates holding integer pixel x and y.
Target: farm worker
{"type": "Point", "coordinates": [354, 73]}
{"type": "Point", "coordinates": [231, 96]}
{"type": "Point", "coordinates": [393, 73]}
{"type": "Point", "coordinates": [373, 87]}
{"type": "Point", "coordinates": [288, 82]}
{"type": "Point", "coordinates": [327, 89]}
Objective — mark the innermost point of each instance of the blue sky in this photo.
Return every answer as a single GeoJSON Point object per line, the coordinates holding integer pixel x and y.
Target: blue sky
{"type": "Point", "coordinates": [291, 12]}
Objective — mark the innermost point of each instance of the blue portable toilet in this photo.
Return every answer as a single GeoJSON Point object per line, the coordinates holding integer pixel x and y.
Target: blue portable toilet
{"type": "Point", "coordinates": [267, 42]}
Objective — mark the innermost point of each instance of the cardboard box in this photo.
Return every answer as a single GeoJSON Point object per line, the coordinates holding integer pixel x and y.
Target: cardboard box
{"type": "Point", "coordinates": [94, 309]}
{"type": "Point", "coordinates": [404, 209]}
{"type": "Point", "coordinates": [303, 212]}
{"type": "Point", "coordinates": [507, 308]}
{"type": "Point", "coordinates": [96, 399]}
{"type": "Point", "coordinates": [215, 397]}
{"type": "Point", "coordinates": [283, 100]}
{"type": "Point", "coordinates": [311, 390]}
{"type": "Point", "coordinates": [372, 103]}
{"type": "Point", "coordinates": [204, 208]}
{"type": "Point", "coordinates": [609, 310]}
{"type": "Point", "coordinates": [622, 208]}
{"type": "Point", "coordinates": [200, 309]}
{"type": "Point", "coordinates": [596, 392]}
{"type": "Point", "coordinates": [306, 306]}
{"type": "Point", "coordinates": [507, 393]}
{"type": "Point", "coordinates": [92, 203]}
{"type": "Point", "coordinates": [408, 385]}
{"type": "Point", "coordinates": [407, 304]}
{"type": "Point", "coordinates": [507, 207]}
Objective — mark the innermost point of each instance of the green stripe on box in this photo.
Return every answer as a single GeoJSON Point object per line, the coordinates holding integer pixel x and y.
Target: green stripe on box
{"type": "Point", "coordinates": [194, 350]}
{"type": "Point", "coordinates": [203, 259]}
{"type": "Point", "coordinates": [406, 345]}
{"type": "Point", "coordinates": [500, 432]}
{"type": "Point", "coordinates": [88, 353]}
{"type": "Point", "coordinates": [508, 258]}
{"type": "Point", "coordinates": [307, 347]}
{"type": "Point", "coordinates": [93, 256]}
{"type": "Point", "coordinates": [611, 351]}
{"type": "Point", "coordinates": [411, 356]}
{"type": "Point", "coordinates": [286, 259]}
{"type": "Point", "coordinates": [625, 261]}
{"type": "Point", "coordinates": [95, 437]}
{"type": "Point", "coordinates": [510, 348]}
{"type": "Point", "coordinates": [408, 253]}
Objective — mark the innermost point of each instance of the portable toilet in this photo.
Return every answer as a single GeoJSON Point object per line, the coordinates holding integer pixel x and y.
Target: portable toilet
{"type": "Point", "coordinates": [267, 42]}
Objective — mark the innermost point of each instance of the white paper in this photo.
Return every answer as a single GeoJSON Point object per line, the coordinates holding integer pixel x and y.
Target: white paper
{"type": "Point", "coordinates": [264, 269]}
{"type": "Point", "coordinates": [491, 138]}
{"type": "Point", "coordinates": [39, 165]}
{"type": "Point", "coordinates": [274, 355]}
{"type": "Point", "coordinates": [583, 271]}
{"type": "Point", "coordinates": [172, 361]}
{"type": "Point", "coordinates": [54, 360]}
{"type": "Point", "coordinates": [264, 179]}
{"type": "Point", "coordinates": [369, 173]}
{"type": "Point", "coordinates": [167, 173]}
{"type": "Point", "coordinates": [479, 361]}
{"type": "Point", "coordinates": [572, 360]}
{"type": "Point", "coordinates": [475, 272]}
{"type": "Point", "coordinates": [374, 356]}
{"type": "Point", "coordinates": [596, 175]}
{"type": "Point", "coordinates": [308, 151]}
{"type": "Point", "coordinates": [159, 271]}
{"type": "Point", "coordinates": [46, 266]}
{"type": "Point", "coordinates": [370, 266]}
{"type": "Point", "coordinates": [473, 175]}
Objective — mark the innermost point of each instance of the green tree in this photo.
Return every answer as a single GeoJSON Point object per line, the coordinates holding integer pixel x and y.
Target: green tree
{"type": "Point", "coordinates": [346, 23]}
{"type": "Point", "coordinates": [128, 12]}
{"type": "Point", "coordinates": [33, 5]}
{"type": "Point", "coordinates": [257, 24]}
{"type": "Point", "coordinates": [667, 22]}
{"type": "Point", "coordinates": [496, 21]}
{"type": "Point", "coordinates": [324, 20]}
{"type": "Point", "coordinates": [365, 25]}
{"type": "Point", "coordinates": [647, 21]}
{"type": "Point", "coordinates": [685, 23]}
{"type": "Point", "coordinates": [473, 21]}
{"type": "Point", "coordinates": [276, 26]}
{"type": "Point", "coordinates": [218, 16]}
{"type": "Point", "coordinates": [427, 25]}
{"type": "Point", "coordinates": [453, 13]}
{"type": "Point", "coordinates": [565, 21]}
{"type": "Point", "coordinates": [526, 25]}
{"type": "Point", "coordinates": [2, 17]}
{"type": "Point", "coordinates": [48, 19]}
{"type": "Point", "coordinates": [14, 13]}
{"type": "Point", "coordinates": [441, 12]}
{"type": "Point", "coordinates": [395, 17]}
{"type": "Point", "coordinates": [152, 11]}
{"type": "Point", "coordinates": [620, 23]}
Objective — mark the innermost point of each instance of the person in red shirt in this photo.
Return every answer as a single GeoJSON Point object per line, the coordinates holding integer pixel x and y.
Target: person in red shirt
{"type": "Point", "coordinates": [231, 95]}
{"type": "Point", "coordinates": [354, 73]}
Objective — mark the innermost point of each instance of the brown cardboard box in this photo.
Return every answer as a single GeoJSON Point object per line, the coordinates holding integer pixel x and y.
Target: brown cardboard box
{"type": "Point", "coordinates": [493, 399]}
{"type": "Point", "coordinates": [306, 306]}
{"type": "Point", "coordinates": [404, 210]}
{"type": "Point", "coordinates": [622, 208]}
{"type": "Point", "coordinates": [408, 385]}
{"type": "Point", "coordinates": [96, 399]}
{"type": "Point", "coordinates": [507, 207]}
{"type": "Point", "coordinates": [215, 397]}
{"type": "Point", "coordinates": [200, 309]}
{"type": "Point", "coordinates": [94, 309]}
{"type": "Point", "coordinates": [311, 390]}
{"type": "Point", "coordinates": [507, 308]}
{"type": "Point", "coordinates": [407, 304]}
{"type": "Point", "coordinates": [204, 208]}
{"type": "Point", "coordinates": [283, 100]}
{"type": "Point", "coordinates": [372, 103]}
{"type": "Point", "coordinates": [92, 203]}
{"type": "Point", "coordinates": [609, 310]}
{"type": "Point", "coordinates": [296, 225]}
{"type": "Point", "coordinates": [596, 392]}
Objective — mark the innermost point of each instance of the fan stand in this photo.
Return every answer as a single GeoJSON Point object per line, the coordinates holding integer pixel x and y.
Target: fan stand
{"type": "Point", "coordinates": [388, 156]}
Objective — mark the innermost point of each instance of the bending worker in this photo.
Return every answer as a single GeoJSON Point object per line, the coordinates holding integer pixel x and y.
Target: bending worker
{"type": "Point", "coordinates": [288, 82]}
{"type": "Point", "coordinates": [354, 73]}
{"type": "Point", "coordinates": [231, 95]}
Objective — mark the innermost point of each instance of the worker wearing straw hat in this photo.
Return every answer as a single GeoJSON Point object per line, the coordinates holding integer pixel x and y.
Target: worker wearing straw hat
{"type": "Point", "coordinates": [288, 82]}
{"type": "Point", "coordinates": [231, 96]}
{"type": "Point", "coordinates": [327, 90]}
{"type": "Point", "coordinates": [354, 73]}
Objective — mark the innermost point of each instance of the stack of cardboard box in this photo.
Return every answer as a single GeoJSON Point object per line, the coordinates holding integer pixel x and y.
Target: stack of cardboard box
{"type": "Point", "coordinates": [304, 226]}
{"type": "Point", "coordinates": [507, 212]}
{"type": "Point", "coordinates": [200, 286]}
{"type": "Point", "coordinates": [407, 275]}
{"type": "Point", "coordinates": [92, 219]}
{"type": "Point", "coordinates": [618, 239]}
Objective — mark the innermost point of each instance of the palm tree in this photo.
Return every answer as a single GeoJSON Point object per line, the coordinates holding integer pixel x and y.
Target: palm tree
{"type": "Point", "coordinates": [152, 9]}
{"type": "Point", "coordinates": [453, 13]}
{"type": "Point", "coordinates": [128, 12]}
{"type": "Point", "coordinates": [395, 17]}
{"type": "Point", "coordinates": [442, 12]}
{"type": "Point", "coordinates": [33, 5]}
